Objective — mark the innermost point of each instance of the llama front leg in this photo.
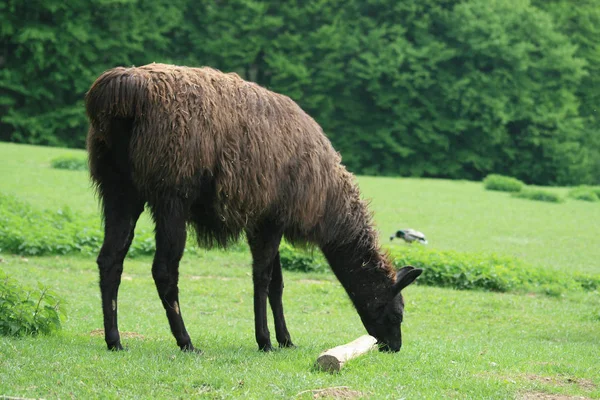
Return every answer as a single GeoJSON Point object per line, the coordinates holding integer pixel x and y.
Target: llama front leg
{"type": "Point", "coordinates": [121, 212]}
{"type": "Point", "coordinates": [170, 243]}
{"type": "Point", "coordinates": [276, 301]}
{"type": "Point", "coordinates": [264, 243]}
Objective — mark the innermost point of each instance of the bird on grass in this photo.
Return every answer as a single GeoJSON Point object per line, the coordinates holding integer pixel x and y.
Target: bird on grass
{"type": "Point", "coordinates": [409, 236]}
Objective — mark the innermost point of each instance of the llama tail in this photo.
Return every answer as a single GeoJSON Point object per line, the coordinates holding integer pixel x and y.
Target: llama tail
{"type": "Point", "coordinates": [117, 93]}
{"type": "Point", "coordinates": [113, 103]}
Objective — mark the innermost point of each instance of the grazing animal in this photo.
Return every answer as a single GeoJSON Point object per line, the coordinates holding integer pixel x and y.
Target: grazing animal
{"type": "Point", "coordinates": [226, 156]}
{"type": "Point", "coordinates": [409, 236]}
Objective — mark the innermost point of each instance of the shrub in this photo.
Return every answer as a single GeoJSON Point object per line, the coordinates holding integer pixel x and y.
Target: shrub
{"type": "Point", "coordinates": [462, 271]}
{"type": "Point", "coordinates": [539, 195]}
{"type": "Point", "coordinates": [585, 193]}
{"type": "Point", "coordinates": [28, 231]}
{"type": "Point", "coordinates": [70, 162]}
{"type": "Point", "coordinates": [502, 183]}
{"type": "Point", "coordinates": [490, 272]}
{"type": "Point", "coordinates": [293, 259]}
{"type": "Point", "coordinates": [25, 230]}
{"type": "Point", "coordinates": [26, 311]}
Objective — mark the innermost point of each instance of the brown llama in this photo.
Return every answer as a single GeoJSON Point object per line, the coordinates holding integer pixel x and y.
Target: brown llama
{"type": "Point", "coordinates": [227, 156]}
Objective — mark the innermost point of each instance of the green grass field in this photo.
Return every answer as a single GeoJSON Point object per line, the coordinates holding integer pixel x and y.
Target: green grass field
{"type": "Point", "coordinates": [457, 344]}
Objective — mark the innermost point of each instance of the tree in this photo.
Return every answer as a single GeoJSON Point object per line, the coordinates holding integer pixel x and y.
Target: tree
{"type": "Point", "coordinates": [52, 51]}
{"type": "Point", "coordinates": [581, 23]}
{"type": "Point", "coordinates": [438, 88]}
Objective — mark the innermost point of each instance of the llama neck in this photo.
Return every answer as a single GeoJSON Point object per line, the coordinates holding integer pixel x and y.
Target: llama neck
{"type": "Point", "coordinates": [349, 242]}
{"type": "Point", "coordinates": [364, 273]}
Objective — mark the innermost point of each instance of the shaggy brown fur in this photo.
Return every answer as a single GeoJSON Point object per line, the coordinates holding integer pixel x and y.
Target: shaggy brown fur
{"type": "Point", "coordinates": [242, 155]}
{"type": "Point", "coordinates": [264, 153]}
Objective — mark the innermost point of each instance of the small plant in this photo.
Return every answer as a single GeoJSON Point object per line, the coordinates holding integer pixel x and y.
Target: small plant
{"type": "Point", "coordinates": [70, 162]}
{"type": "Point", "coordinates": [539, 195]}
{"type": "Point", "coordinates": [29, 231]}
{"type": "Point", "coordinates": [502, 183]}
{"type": "Point", "coordinates": [25, 311]}
{"type": "Point", "coordinates": [489, 272]}
{"type": "Point", "coordinates": [300, 260]}
{"type": "Point", "coordinates": [585, 193]}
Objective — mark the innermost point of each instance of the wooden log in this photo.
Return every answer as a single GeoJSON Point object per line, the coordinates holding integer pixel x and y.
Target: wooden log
{"type": "Point", "coordinates": [334, 359]}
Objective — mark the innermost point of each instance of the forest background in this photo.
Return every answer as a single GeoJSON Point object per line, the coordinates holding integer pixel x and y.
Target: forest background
{"type": "Point", "coordinates": [425, 88]}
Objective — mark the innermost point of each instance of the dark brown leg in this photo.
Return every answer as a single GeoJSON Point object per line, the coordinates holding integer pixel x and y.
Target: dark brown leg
{"type": "Point", "coordinates": [275, 299]}
{"type": "Point", "coordinates": [264, 243]}
{"type": "Point", "coordinates": [170, 218]}
{"type": "Point", "coordinates": [122, 209]}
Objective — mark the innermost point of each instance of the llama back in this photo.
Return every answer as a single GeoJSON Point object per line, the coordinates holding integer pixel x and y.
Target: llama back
{"type": "Point", "coordinates": [263, 154]}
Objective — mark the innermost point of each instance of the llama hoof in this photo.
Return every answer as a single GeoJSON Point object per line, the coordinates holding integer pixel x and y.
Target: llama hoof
{"type": "Point", "coordinates": [266, 348]}
{"type": "Point", "coordinates": [189, 348]}
{"type": "Point", "coordinates": [193, 351]}
{"type": "Point", "coordinates": [115, 347]}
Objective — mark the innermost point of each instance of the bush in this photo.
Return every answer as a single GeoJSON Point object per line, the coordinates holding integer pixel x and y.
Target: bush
{"type": "Point", "coordinates": [25, 311]}
{"type": "Point", "coordinates": [539, 195]}
{"type": "Point", "coordinates": [27, 231]}
{"type": "Point", "coordinates": [502, 183]}
{"type": "Point", "coordinates": [293, 259]}
{"type": "Point", "coordinates": [70, 162]}
{"type": "Point", "coordinates": [463, 271]}
{"type": "Point", "coordinates": [585, 193]}
{"type": "Point", "coordinates": [490, 272]}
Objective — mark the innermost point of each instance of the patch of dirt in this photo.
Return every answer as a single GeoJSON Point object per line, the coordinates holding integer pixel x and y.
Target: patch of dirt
{"type": "Point", "coordinates": [338, 392]}
{"type": "Point", "coordinates": [549, 396]}
{"type": "Point", "coordinates": [124, 335]}
{"type": "Point", "coordinates": [582, 383]}
{"type": "Point", "coordinates": [562, 381]}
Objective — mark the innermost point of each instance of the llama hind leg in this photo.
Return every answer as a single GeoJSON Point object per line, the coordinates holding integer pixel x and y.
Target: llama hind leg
{"type": "Point", "coordinates": [170, 219]}
{"type": "Point", "coordinates": [264, 244]}
{"type": "Point", "coordinates": [275, 299]}
{"type": "Point", "coordinates": [121, 212]}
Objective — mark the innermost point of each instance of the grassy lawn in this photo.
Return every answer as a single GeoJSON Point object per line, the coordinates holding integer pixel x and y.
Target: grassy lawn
{"type": "Point", "coordinates": [457, 344]}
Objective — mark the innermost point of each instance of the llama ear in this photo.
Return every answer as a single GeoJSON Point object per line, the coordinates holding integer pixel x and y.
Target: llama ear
{"type": "Point", "coordinates": [405, 277]}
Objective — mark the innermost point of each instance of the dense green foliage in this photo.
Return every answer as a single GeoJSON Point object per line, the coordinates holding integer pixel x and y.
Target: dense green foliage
{"type": "Point", "coordinates": [491, 272]}
{"type": "Point", "coordinates": [463, 271]}
{"type": "Point", "coordinates": [26, 311]}
{"type": "Point", "coordinates": [70, 162]}
{"type": "Point", "coordinates": [53, 50]}
{"type": "Point", "coordinates": [539, 195]}
{"type": "Point", "coordinates": [293, 259]}
{"type": "Point", "coordinates": [451, 88]}
{"type": "Point", "coordinates": [585, 193]}
{"type": "Point", "coordinates": [581, 23]}
{"type": "Point", "coordinates": [502, 183]}
{"type": "Point", "coordinates": [28, 231]}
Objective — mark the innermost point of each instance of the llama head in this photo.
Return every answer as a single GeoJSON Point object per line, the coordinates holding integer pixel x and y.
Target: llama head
{"type": "Point", "coordinates": [384, 321]}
